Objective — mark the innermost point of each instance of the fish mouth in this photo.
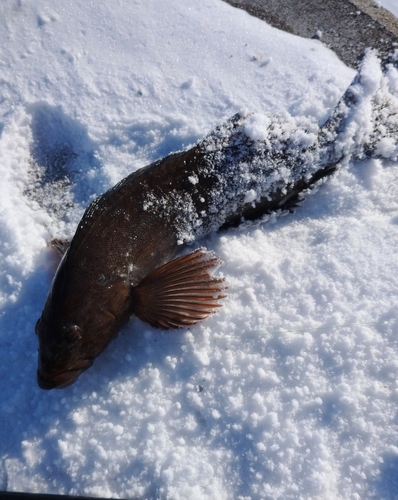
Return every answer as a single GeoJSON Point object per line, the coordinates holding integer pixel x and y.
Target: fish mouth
{"type": "Point", "coordinates": [63, 379]}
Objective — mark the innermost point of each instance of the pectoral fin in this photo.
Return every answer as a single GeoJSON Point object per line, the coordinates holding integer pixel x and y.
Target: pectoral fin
{"type": "Point", "coordinates": [179, 293]}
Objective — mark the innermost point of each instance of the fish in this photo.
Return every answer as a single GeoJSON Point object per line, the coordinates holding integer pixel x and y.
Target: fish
{"type": "Point", "coordinates": [123, 259]}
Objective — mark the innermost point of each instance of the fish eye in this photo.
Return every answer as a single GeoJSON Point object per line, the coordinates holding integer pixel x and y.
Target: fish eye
{"type": "Point", "coordinates": [73, 332]}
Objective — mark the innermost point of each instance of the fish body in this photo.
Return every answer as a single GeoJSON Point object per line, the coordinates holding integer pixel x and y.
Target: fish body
{"type": "Point", "coordinates": [119, 263]}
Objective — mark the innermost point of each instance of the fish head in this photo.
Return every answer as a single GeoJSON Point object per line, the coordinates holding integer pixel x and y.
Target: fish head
{"type": "Point", "coordinates": [78, 321]}
{"type": "Point", "coordinates": [61, 359]}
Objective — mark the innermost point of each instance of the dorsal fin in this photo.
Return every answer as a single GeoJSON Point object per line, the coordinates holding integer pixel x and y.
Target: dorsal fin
{"type": "Point", "coordinates": [61, 246]}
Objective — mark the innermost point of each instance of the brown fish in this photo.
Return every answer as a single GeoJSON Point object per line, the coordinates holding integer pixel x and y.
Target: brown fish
{"type": "Point", "coordinates": [119, 262]}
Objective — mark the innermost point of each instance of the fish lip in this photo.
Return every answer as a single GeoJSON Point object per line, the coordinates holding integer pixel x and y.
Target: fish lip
{"type": "Point", "coordinates": [48, 384]}
{"type": "Point", "coordinates": [62, 379]}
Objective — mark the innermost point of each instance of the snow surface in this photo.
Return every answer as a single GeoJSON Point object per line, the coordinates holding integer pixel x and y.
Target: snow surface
{"type": "Point", "coordinates": [391, 5]}
{"type": "Point", "coordinates": [290, 391]}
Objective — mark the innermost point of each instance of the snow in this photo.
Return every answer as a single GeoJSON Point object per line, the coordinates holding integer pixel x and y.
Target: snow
{"type": "Point", "coordinates": [390, 5]}
{"type": "Point", "coordinates": [290, 390]}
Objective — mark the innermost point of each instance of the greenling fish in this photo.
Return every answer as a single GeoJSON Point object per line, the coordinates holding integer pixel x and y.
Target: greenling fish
{"type": "Point", "coordinates": [119, 262]}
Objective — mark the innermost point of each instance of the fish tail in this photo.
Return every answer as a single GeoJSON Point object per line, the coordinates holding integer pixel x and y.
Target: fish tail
{"type": "Point", "coordinates": [364, 123]}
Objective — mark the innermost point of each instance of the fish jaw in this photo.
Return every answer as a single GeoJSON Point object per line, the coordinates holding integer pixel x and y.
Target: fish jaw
{"type": "Point", "coordinates": [59, 380]}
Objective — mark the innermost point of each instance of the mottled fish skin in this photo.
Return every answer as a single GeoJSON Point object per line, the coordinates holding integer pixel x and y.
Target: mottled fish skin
{"type": "Point", "coordinates": [145, 220]}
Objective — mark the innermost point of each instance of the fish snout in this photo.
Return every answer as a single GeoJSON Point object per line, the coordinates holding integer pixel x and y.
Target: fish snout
{"type": "Point", "coordinates": [59, 380]}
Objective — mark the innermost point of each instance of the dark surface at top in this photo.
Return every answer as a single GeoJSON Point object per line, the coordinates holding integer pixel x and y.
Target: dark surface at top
{"type": "Point", "coordinates": [346, 26]}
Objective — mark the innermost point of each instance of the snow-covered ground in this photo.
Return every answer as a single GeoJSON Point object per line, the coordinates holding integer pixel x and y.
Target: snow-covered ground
{"type": "Point", "coordinates": [290, 391]}
{"type": "Point", "coordinates": [391, 5]}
